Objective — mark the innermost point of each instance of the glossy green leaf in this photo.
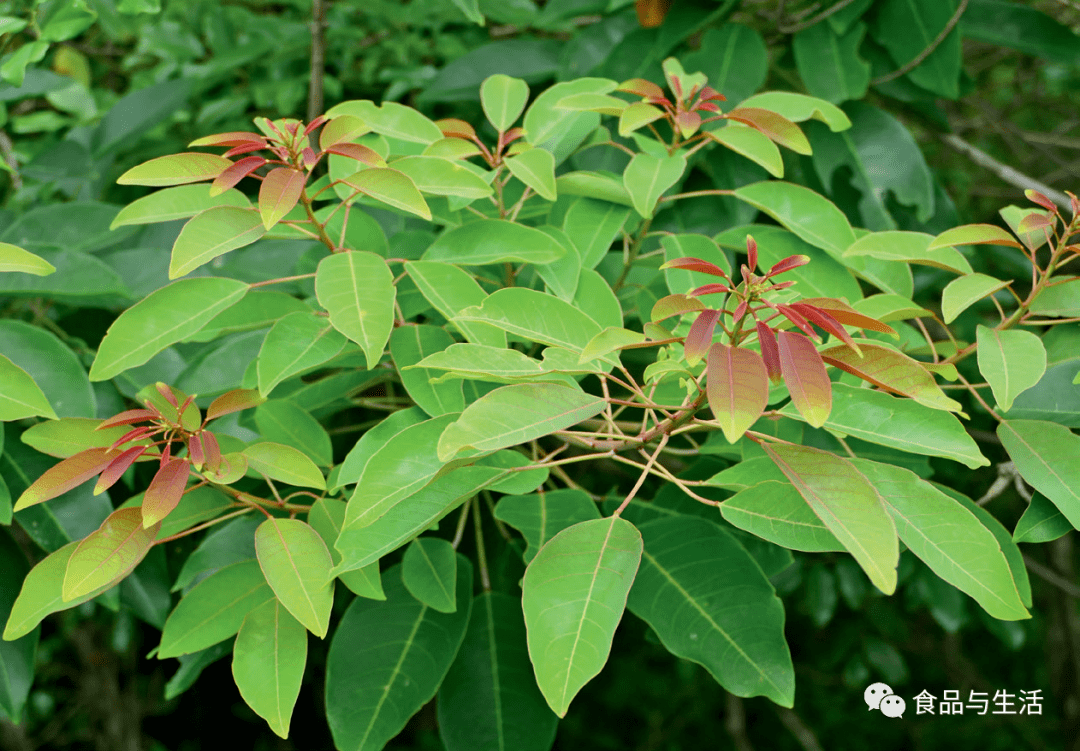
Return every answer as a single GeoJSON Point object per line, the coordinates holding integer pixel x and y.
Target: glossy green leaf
{"type": "Point", "coordinates": [525, 481]}
{"type": "Point", "coordinates": [1061, 300]}
{"type": "Point", "coordinates": [390, 119]}
{"type": "Point", "coordinates": [429, 572]}
{"type": "Point", "coordinates": [947, 537]}
{"type": "Point", "coordinates": [489, 700]}
{"type": "Point", "coordinates": [42, 593]}
{"type": "Point", "coordinates": [1010, 361]}
{"type": "Point", "coordinates": [17, 658]}
{"type": "Point", "coordinates": [297, 342]}
{"type": "Point", "coordinates": [481, 362]}
{"type": "Point", "coordinates": [21, 397]}
{"type": "Point", "coordinates": [964, 291]}
{"type": "Point", "coordinates": [775, 511]}
{"type": "Point", "coordinates": [902, 424]}
{"type": "Point", "coordinates": [800, 107]}
{"type": "Point", "coordinates": [535, 168]}
{"type": "Point", "coordinates": [258, 309]}
{"type": "Point", "coordinates": [450, 290]}
{"type": "Point", "coordinates": [974, 234]}
{"type": "Point", "coordinates": [327, 516]}
{"type": "Point", "coordinates": [647, 177]}
{"type": "Point", "coordinates": [214, 609]}
{"type": "Point", "coordinates": [390, 187]}
{"type": "Point", "coordinates": [907, 29]}
{"type": "Point", "coordinates": [545, 124]}
{"type": "Point", "coordinates": [281, 421]}
{"type": "Point", "coordinates": [109, 554]}
{"type": "Point", "coordinates": [357, 289]}
{"type": "Point", "coordinates": [284, 463]}
{"type": "Point", "coordinates": [1054, 397]}
{"type": "Point", "coordinates": [1022, 28]}
{"type": "Point", "coordinates": [809, 215]}
{"type": "Point", "coordinates": [442, 177]}
{"type": "Point", "coordinates": [750, 143]}
{"type": "Point", "coordinates": [494, 241]}
{"type": "Point", "coordinates": [164, 317]}
{"type": "Point", "coordinates": [592, 226]}
{"type": "Point", "coordinates": [541, 516]}
{"type": "Point", "coordinates": [603, 186]}
{"type": "Point", "coordinates": [70, 435]}
{"type": "Point", "coordinates": [912, 247]}
{"type": "Point", "coordinates": [709, 602]}
{"type": "Point", "coordinates": [515, 414]}
{"type": "Point", "coordinates": [180, 202]}
{"type": "Point", "coordinates": [1047, 456]}
{"type": "Point", "coordinates": [296, 563]}
{"type": "Point", "coordinates": [402, 466]}
{"type": "Point", "coordinates": [387, 659]}
{"type": "Point", "coordinates": [14, 258]}
{"type": "Point", "coordinates": [268, 663]}
{"type": "Point", "coordinates": [1041, 522]}
{"type": "Point", "coordinates": [408, 346]}
{"type": "Point", "coordinates": [738, 388]}
{"type": "Point", "coordinates": [373, 439]}
{"type": "Point", "coordinates": [573, 596]}
{"type": "Point", "coordinates": [535, 316]}
{"type": "Point", "coordinates": [848, 504]}
{"type": "Point", "coordinates": [891, 370]}
{"type": "Point", "coordinates": [55, 368]}
{"type": "Point", "coordinates": [175, 169]}
{"type": "Point", "coordinates": [225, 544]}
{"type": "Point", "coordinates": [829, 63]}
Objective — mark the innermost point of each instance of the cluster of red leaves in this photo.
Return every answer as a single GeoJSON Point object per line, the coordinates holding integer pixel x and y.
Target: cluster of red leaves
{"type": "Point", "coordinates": [165, 428]}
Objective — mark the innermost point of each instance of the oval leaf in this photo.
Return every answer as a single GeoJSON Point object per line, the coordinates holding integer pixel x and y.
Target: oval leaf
{"type": "Point", "coordinates": [1010, 361]}
{"type": "Point", "coordinates": [175, 169]}
{"type": "Point", "coordinates": [108, 554]}
{"type": "Point", "coordinates": [357, 289]}
{"type": "Point", "coordinates": [737, 384]}
{"type": "Point", "coordinates": [268, 663]}
{"type": "Point", "coordinates": [429, 572]}
{"type": "Point", "coordinates": [284, 463]}
{"type": "Point", "coordinates": [296, 564]}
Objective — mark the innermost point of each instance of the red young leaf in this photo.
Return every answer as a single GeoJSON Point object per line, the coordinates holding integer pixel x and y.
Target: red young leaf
{"type": "Point", "coordinates": [738, 388]}
{"type": "Point", "coordinates": [672, 305]}
{"type": "Point", "coordinates": [1035, 222]}
{"type": "Point", "coordinates": [127, 417]}
{"type": "Point", "coordinates": [740, 311]}
{"type": "Point", "coordinates": [751, 252]}
{"type": "Point", "coordinates": [234, 174]}
{"type": "Point", "coordinates": [787, 264]}
{"type": "Point", "coordinates": [769, 352]}
{"type": "Point", "coordinates": [195, 450]}
{"type": "Point", "coordinates": [245, 149]}
{"type": "Point", "coordinates": [777, 127]}
{"type": "Point", "coordinates": [710, 94]}
{"type": "Point", "coordinates": [340, 130]}
{"type": "Point", "coordinates": [233, 401]}
{"type": "Point", "coordinates": [279, 192]}
{"type": "Point", "coordinates": [309, 156]}
{"type": "Point", "coordinates": [659, 100]}
{"type": "Point", "coordinates": [781, 285]}
{"type": "Point", "coordinates": [511, 135]}
{"type": "Point", "coordinates": [211, 450]}
{"type": "Point", "coordinates": [826, 322]}
{"type": "Point", "coordinates": [314, 124]}
{"type": "Point", "coordinates": [236, 138]}
{"type": "Point", "coordinates": [708, 106]}
{"type": "Point", "coordinates": [166, 454]}
{"type": "Point", "coordinates": [166, 391]}
{"type": "Point", "coordinates": [688, 123]}
{"type": "Point", "coordinates": [1036, 197]}
{"type": "Point", "coordinates": [62, 477]}
{"type": "Point", "coordinates": [700, 336]}
{"type": "Point", "coordinates": [641, 87]}
{"type": "Point", "coordinates": [164, 492]}
{"type": "Point", "coordinates": [134, 435]}
{"type": "Point", "coordinates": [454, 128]}
{"type": "Point", "coordinates": [695, 264]}
{"type": "Point", "coordinates": [1074, 202]}
{"type": "Point", "coordinates": [117, 467]}
{"type": "Point", "coordinates": [847, 315]}
{"type": "Point", "coordinates": [806, 377]}
{"type": "Point", "coordinates": [710, 289]}
{"type": "Point", "coordinates": [795, 317]}
{"type": "Point", "coordinates": [358, 152]}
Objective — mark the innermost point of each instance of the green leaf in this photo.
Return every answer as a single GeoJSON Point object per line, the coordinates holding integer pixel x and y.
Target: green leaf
{"type": "Point", "coordinates": [503, 99]}
{"type": "Point", "coordinates": [390, 187]}
{"type": "Point", "coordinates": [514, 414]}
{"type": "Point", "coordinates": [489, 700]}
{"type": "Point", "coordinates": [604, 186]}
{"type": "Point", "coordinates": [297, 342]}
{"type": "Point", "coordinates": [647, 177]}
{"type": "Point", "coordinates": [358, 457]}
{"type": "Point", "coordinates": [442, 177]}
{"type": "Point", "coordinates": [296, 563]}
{"type": "Point", "coordinates": [281, 421]}
{"type": "Point", "coordinates": [810, 216]}
{"type": "Point", "coordinates": [164, 317]}
{"type": "Point", "coordinates": [535, 168]}
{"type": "Point", "coordinates": [42, 593]}
{"type": "Point", "coordinates": [907, 28]}
{"type": "Point", "coordinates": [405, 464]}
{"type": "Point", "coordinates": [387, 659]}
{"type": "Point", "coordinates": [284, 463]}
{"type": "Point", "coordinates": [1041, 522]}
{"type": "Point", "coordinates": [390, 119]}
{"type": "Point", "coordinates": [14, 258]}
{"type": "Point", "coordinates": [16, 659]}
{"type": "Point", "coordinates": [541, 516]}
{"type": "Point", "coordinates": [494, 241]}
{"type": "Point", "coordinates": [709, 602]}
{"type": "Point", "coordinates": [214, 609]}
{"type": "Point", "coordinates": [892, 370]}
{"type": "Point", "coordinates": [450, 290]}
{"type": "Point", "coordinates": [535, 316]}
{"type": "Point", "coordinates": [52, 365]}
{"type": "Point", "coordinates": [279, 193]}
{"type": "Point", "coordinates": [1010, 361]}
{"type": "Point", "coordinates": [175, 169]}
{"type": "Point", "coordinates": [545, 124]}
{"type": "Point", "coordinates": [109, 554]}
{"type": "Point", "coordinates": [912, 247]}
{"type": "Point", "coordinates": [1053, 398]}
{"type": "Point", "coordinates": [750, 143]}
{"type": "Point", "coordinates": [903, 424]}
{"type": "Point", "coordinates": [947, 537]}
{"type": "Point", "coordinates": [775, 511]}
{"type": "Point", "coordinates": [268, 663]}
{"type": "Point", "coordinates": [327, 517]}
{"type": "Point", "coordinates": [408, 346]}
{"type": "Point", "coordinates": [180, 202]}
{"type": "Point", "coordinates": [429, 572]}
{"type": "Point", "coordinates": [224, 545]}
{"type": "Point", "coordinates": [1047, 456]}
{"type": "Point", "coordinates": [1022, 28]}
{"type": "Point", "coordinates": [800, 107]}
{"type": "Point", "coordinates": [257, 310]}
{"type": "Point", "coordinates": [848, 504]}
{"type": "Point", "coordinates": [477, 361]}
{"type": "Point", "coordinates": [592, 226]}
{"type": "Point", "coordinates": [964, 291]}
{"type": "Point", "coordinates": [573, 596]}
{"type": "Point", "coordinates": [21, 397]}
{"type": "Point", "coordinates": [357, 289]}
{"type": "Point", "coordinates": [735, 59]}
{"type": "Point", "coordinates": [830, 64]}
{"type": "Point", "coordinates": [1059, 300]}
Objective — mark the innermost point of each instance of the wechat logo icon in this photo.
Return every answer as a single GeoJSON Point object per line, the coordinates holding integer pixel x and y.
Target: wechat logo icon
{"type": "Point", "coordinates": [880, 696]}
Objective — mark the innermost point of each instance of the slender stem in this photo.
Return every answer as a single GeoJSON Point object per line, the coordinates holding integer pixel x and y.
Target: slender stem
{"type": "Point", "coordinates": [481, 553]}
{"type": "Point", "coordinates": [460, 531]}
{"type": "Point", "coordinates": [641, 478]}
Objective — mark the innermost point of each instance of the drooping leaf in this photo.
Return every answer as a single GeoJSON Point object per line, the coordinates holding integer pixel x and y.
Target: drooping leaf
{"type": "Point", "coordinates": [357, 289]}
{"type": "Point", "coordinates": [738, 388]}
{"type": "Point", "coordinates": [1011, 362]}
{"type": "Point", "coordinates": [429, 572]}
{"type": "Point", "coordinates": [962, 292]}
{"type": "Point", "coordinates": [494, 241]}
{"type": "Point", "coordinates": [541, 516]}
{"type": "Point", "coordinates": [21, 397]}
{"type": "Point", "coordinates": [573, 596]}
{"type": "Point", "coordinates": [775, 511]}
{"type": "Point", "coordinates": [268, 663]}
{"type": "Point", "coordinates": [15, 259]}
{"type": "Point", "coordinates": [62, 477]}
{"type": "Point", "coordinates": [1047, 456]}
{"type": "Point", "coordinates": [109, 554]}
{"type": "Point", "coordinates": [1041, 522]}
{"type": "Point", "coordinates": [297, 342]}
{"type": "Point", "coordinates": [805, 376]}
{"type": "Point", "coordinates": [647, 177]}
{"type": "Point", "coordinates": [296, 563]}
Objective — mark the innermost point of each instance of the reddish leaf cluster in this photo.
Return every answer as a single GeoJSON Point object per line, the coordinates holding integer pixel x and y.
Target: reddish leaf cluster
{"type": "Point", "coordinates": [736, 377]}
